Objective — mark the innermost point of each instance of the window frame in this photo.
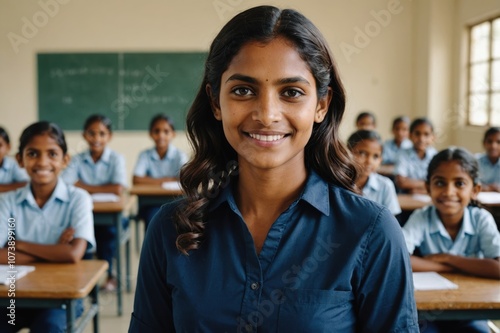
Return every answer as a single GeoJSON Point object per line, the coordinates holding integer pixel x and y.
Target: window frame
{"type": "Point", "coordinates": [489, 61]}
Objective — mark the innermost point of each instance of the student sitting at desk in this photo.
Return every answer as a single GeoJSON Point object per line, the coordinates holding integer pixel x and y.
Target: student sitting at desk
{"type": "Point", "coordinates": [366, 120]}
{"type": "Point", "coordinates": [100, 170]}
{"type": "Point", "coordinates": [400, 141]}
{"type": "Point", "coordinates": [12, 176]}
{"type": "Point", "coordinates": [366, 147]}
{"type": "Point", "coordinates": [159, 164]}
{"type": "Point", "coordinates": [489, 162]}
{"type": "Point", "coordinates": [52, 221]}
{"type": "Point", "coordinates": [451, 234]}
{"type": "Point", "coordinates": [411, 163]}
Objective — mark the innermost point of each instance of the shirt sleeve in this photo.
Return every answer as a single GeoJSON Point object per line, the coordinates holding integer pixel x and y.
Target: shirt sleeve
{"type": "Point", "coordinates": [70, 174]}
{"type": "Point", "coordinates": [141, 167]}
{"type": "Point", "coordinates": [489, 235]}
{"type": "Point", "coordinates": [119, 173]}
{"type": "Point", "coordinates": [153, 298]}
{"type": "Point", "coordinates": [401, 167]}
{"type": "Point", "coordinates": [413, 231]}
{"type": "Point", "coordinates": [385, 295]}
{"type": "Point", "coordinates": [391, 198]}
{"type": "Point", "coordinates": [81, 216]}
{"type": "Point", "coordinates": [5, 214]}
{"type": "Point", "coordinates": [19, 174]}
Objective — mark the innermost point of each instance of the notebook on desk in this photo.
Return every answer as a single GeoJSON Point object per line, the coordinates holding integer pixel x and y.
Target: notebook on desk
{"type": "Point", "coordinates": [431, 281]}
{"type": "Point", "coordinates": [9, 274]}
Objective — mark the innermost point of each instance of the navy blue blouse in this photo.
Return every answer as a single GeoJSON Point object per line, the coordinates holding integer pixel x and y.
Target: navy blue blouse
{"type": "Point", "coordinates": [332, 262]}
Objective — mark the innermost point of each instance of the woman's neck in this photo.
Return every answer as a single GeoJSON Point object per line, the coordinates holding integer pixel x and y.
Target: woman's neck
{"type": "Point", "coordinates": [493, 160]}
{"type": "Point", "coordinates": [361, 181]}
{"type": "Point", "coordinates": [96, 156]}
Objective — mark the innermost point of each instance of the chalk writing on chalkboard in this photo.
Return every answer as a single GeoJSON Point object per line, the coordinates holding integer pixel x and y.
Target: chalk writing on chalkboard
{"type": "Point", "coordinates": [130, 88]}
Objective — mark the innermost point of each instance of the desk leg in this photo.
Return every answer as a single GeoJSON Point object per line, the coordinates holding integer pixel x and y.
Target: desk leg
{"type": "Point", "coordinates": [94, 296]}
{"type": "Point", "coordinates": [118, 224]}
{"type": "Point", "coordinates": [137, 221]}
{"type": "Point", "coordinates": [127, 263]}
{"type": "Point", "coordinates": [70, 316]}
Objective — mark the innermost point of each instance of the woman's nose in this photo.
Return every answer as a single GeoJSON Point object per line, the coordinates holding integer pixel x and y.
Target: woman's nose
{"type": "Point", "coordinates": [267, 109]}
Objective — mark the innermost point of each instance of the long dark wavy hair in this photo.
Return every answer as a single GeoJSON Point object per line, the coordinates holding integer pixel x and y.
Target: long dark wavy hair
{"type": "Point", "coordinates": [214, 160]}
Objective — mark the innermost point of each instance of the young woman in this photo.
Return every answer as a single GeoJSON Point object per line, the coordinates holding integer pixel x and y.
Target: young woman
{"type": "Point", "coordinates": [489, 161]}
{"type": "Point", "coordinates": [271, 236]}
{"type": "Point", "coordinates": [452, 234]}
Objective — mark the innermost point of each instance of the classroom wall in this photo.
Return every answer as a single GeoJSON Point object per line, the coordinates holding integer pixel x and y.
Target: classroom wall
{"type": "Point", "coordinates": [393, 55]}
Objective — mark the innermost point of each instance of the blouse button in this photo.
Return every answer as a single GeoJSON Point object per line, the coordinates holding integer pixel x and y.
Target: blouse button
{"type": "Point", "coordinates": [254, 286]}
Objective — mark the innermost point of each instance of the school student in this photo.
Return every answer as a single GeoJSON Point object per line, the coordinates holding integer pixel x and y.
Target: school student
{"type": "Point", "coordinates": [411, 164]}
{"type": "Point", "coordinates": [452, 234]}
{"type": "Point", "coordinates": [489, 162]}
{"type": "Point", "coordinates": [366, 121]}
{"type": "Point", "coordinates": [53, 220]}
{"type": "Point", "coordinates": [161, 163]}
{"type": "Point", "coordinates": [400, 130]}
{"type": "Point", "coordinates": [366, 147]}
{"type": "Point", "coordinates": [12, 176]}
{"type": "Point", "coordinates": [100, 170]}
{"type": "Point", "coordinates": [264, 240]}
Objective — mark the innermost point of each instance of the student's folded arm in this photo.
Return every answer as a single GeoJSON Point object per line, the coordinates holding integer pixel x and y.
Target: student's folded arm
{"type": "Point", "coordinates": [147, 180]}
{"type": "Point", "coordinates": [484, 267]}
{"type": "Point", "coordinates": [21, 258]}
{"type": "Point", "coordinates": [70, 253]}
{"type": "Point", "coordinates": [106, 188]}
{"type": "Point", "coordinates": [414, 185]}
{"type": "Point", "coordinates": [11, 186]}
{"type": "Point", "coordinates": [419, 264]}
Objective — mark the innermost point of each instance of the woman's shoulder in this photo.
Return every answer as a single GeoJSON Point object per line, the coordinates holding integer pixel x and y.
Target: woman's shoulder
{"type": "Point", "coordinates": [348, 202]}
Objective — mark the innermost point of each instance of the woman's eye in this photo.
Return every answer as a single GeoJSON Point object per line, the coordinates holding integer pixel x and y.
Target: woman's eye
{"type": "Point", "coordinates": [31, 154]}
{"type": "Point", "coordinates": [292, 93]}
{"type": "Point", "coordinates": [439, 183]}
{"type": "Point", "coordinates": [242, 91]}
{"type": "Point", "coordinates": [460, 184]}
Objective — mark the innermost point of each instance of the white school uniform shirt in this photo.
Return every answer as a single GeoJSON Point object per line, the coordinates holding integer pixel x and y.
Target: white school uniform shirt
{"type": "Point", "coordinates": [109, 169]}
{"type": "Point", "coordinates": [68, 206]}
{"type": "Point", "coordinates": [149, 163]}
{"type": "Point", "coordinates": [409, 165]}
{"type": "Point", "coordinates": [381, 190]}
{"type": "Point", "coordinates": [391, 150]}
{"type": "Point", "coordinates": [11, 172]}
{"type": "Point", "coordinates": [478, 236]}
{"type": "Point", "coordinates": [489, 173]}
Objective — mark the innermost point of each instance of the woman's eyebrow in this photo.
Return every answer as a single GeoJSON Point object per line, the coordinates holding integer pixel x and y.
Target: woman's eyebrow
{"type": "Point", "coordinates": [241, 77]}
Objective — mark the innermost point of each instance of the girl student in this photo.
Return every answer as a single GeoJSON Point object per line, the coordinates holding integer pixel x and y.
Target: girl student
{"type": "Point", "coordinates": [411, 164]}
{"type": "Point", "coordinates": [100, 170]}
{"type": "Point", "coordinates": [12, 176]}
{"type": "Point", "coordinates": [489, 162]}
{"type": "Point", "coordinates": [400, 141]}
{"type": "Point", "coordinates": [271, 236]}
{"type": "Point", "coordinates": [366, 147]}
{"type": "Point", "coordinates": [161, 163]}
{"type": "Point", "coordinates": [53, 220]}
{"type": "Point", "coordinates": [452, 234]}
{"type": "Point", "coordinates": [366, 120]}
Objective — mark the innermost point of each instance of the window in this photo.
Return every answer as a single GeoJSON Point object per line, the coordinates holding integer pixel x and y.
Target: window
{"type": "Point", "coordinates": [484, 74]}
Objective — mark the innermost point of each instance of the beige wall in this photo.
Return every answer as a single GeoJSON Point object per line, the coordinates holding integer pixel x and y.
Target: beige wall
{"type": "Point", "coordinates": [396, 57]}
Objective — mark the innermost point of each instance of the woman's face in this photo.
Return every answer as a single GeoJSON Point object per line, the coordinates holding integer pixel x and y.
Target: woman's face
{"type": "Point", "coordinates": [268, 105]}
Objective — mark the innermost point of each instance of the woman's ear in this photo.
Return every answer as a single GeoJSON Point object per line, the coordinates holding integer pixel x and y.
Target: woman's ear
{"type": "Point", "coordinates": [322, 107]}
{"type": "Point", "coordinates": [66, 160]}
{"type": "Point", "coordinates": [19, 160]}
{"type": "Point", "coordinates": [475, 191]}
{"type": "Point", "coordinates": [213, 104]}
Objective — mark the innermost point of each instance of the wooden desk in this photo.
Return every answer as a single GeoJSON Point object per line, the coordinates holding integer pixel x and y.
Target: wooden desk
{"type": "Point", "coordinates": [151, 195]}
{"type": "Point", "coordinates": [110, 214]}
{"type": "Point", "coordinates": [52, 285]}
{"type": "Point", "coordinates": [408, 202]}
{"type": "Point", "coordinates": [476, 298]}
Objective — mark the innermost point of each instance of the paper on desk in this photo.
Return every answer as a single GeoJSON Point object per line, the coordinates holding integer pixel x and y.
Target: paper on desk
{"type": "Point", "coordinates": [431, 281]}
{"type": "Point", "coordinates": [421, 197]}
{"type": "Point", "coordinates": [105, 197]}
{"type": "Point", "coordinates": [489, 197]}
{"type": "Point", "coordinates": [171, 186]}
{"type": "Point", "coordinates": [7, 274]}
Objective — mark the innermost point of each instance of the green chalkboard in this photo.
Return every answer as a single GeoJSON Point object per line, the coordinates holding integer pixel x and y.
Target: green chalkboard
{"type": "Point", "coordinates": [130, 88]}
